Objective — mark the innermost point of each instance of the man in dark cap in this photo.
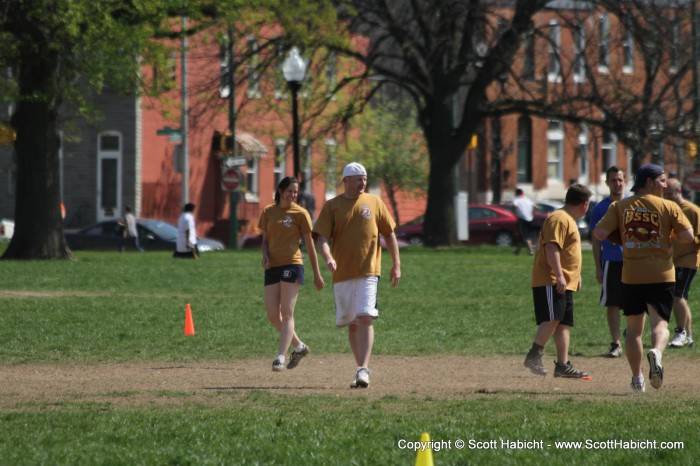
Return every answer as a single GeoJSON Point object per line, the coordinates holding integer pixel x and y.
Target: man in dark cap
{"type": "Point", "coordinates": [644, 225]}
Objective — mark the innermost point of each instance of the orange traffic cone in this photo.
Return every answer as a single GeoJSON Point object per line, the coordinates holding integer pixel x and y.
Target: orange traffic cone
{"type": "Point", "coordinates": [189, 324]}
{"type": "Point", "coordinates": [425, 455]}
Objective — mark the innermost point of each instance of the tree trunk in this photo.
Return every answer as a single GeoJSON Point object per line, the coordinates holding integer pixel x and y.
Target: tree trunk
{"type": "Point", "coordinates": [38, 224]}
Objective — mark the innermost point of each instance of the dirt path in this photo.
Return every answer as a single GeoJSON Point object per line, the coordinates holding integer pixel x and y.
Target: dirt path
{"type": "Point", "coordinates": [406, 377]}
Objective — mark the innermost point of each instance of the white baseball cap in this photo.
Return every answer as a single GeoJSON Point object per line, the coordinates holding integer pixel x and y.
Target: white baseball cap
{"type": "Point", "coordinates": [353, 169]}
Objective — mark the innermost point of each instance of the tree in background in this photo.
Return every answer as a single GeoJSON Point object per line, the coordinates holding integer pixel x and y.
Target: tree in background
{"type": "Point", "coordinates": [391, 147]}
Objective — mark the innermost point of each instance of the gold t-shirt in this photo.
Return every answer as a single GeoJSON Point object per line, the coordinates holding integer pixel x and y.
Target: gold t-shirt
{"type": "Point", "coordinates": [283, 229]}
{"type": "Point", "coordinates": [353, 227]}
{"type": "Point", "coordinates": [561, 229]}
{"type": "Point", "coordinates": [645, 224]}
{"type": "Point", "coordinates": [687, 255]}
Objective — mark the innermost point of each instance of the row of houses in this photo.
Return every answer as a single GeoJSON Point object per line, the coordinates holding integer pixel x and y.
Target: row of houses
{"type": "Point", "coordinates": [133, 155]}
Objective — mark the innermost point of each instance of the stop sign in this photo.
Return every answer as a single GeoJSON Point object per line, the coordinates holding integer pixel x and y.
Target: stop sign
{"type": "Point", "coordinates": [230, 179]}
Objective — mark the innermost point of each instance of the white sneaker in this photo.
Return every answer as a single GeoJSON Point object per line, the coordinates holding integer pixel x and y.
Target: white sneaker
{"type": "Point", "coordinates": [638, 387]}
{"type": "Point", "coordinates": [656, 370]}
{"type": "Point", "coordinates": [680, 339]}
{"type": "Point", "coordinates": [361, 378]}
{"type": "Point", "coordinates": [690, 341]}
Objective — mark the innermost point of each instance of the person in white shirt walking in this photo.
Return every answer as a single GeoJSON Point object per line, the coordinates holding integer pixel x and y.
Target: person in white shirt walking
{"type": "Point", "coordinates": [186, 246]}
{"type": "Point", "coordinates": [525, 211]}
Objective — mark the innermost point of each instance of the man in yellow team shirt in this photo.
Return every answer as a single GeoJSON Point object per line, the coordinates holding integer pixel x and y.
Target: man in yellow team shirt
{"type": "Point", "coordinates": [686, 258]}
{"type": "Point", "coordinates": [352, 222]}
{"type": "Point", "coordinates": [645, 224]}
{"type": "Point", "coordinates": [556, 275]}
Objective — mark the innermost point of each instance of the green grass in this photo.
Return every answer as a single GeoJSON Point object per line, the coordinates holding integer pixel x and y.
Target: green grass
{"type": "Point", "coordinates": [107, 307]}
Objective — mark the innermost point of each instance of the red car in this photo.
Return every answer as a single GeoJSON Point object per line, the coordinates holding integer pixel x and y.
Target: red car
{"type": "Point", "coordinates": [488, 224]}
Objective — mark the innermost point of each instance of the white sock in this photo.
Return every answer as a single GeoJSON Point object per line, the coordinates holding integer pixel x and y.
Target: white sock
{"type": "Point", "coordinates": [300, 347]}
{"type": "Point", "coordinates": [280, 358]}
{"type": "Point", "coordinates": [639, 379]}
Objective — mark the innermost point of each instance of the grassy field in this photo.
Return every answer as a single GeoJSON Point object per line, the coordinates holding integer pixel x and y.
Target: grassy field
{"type": "Point", "coordinates": [467, 302]}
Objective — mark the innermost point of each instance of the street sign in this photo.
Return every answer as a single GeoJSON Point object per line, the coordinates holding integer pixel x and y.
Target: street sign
{"type": "Point", "coordinates": [174, 134]}
{"type": "Point", "coordinates": [230, 179]}
{"type": "Point", "coordinates": [235, 161]}
{"type": "Point", "coordinates": [692, 181]}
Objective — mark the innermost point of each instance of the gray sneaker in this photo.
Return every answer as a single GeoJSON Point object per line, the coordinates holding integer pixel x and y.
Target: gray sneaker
{"type": "Point", "coordinates": [656, 370]}
{"type": "Point", "coordinates": [296, 357]}
{"type": "Point", "coordinates": [361, 378]}
{"type": "Point", "coordinates": [567, 370]}
{"type": "Point", "coordinates": [533, 361]}
{"type": "Point", "coordinates": [615, 351]}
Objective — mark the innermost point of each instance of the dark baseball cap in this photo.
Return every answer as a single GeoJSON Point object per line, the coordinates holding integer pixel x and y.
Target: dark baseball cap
{"type": "Point", "coordinates": [646, 172]}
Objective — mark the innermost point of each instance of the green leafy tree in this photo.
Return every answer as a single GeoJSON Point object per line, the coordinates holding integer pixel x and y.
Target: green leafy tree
{"type": "Point", "coordinates": [392, 149]}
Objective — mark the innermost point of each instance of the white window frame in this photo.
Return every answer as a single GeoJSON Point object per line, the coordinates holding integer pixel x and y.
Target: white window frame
{"type": "Point", "coordinates": [584, 151]}
{"type": "Point", "coordinates": [103, 155]}
{"type": "Point", "coordinates": [604, 44]}
{"type": "Point", "coordinates": [554, 55]}
{"type": "Point", "coordinates": [306, 154]}
{"type": "Point", "coordinates": [579, 43]}
{"type": "Point", "coordinates": [253, 88]}
{"type": "Point", "coordinates": [608, 145]}
{"type": "Point", "coordinates": [555, 150]}
{"type": "Point", "coordinates": [628, 48]}
{"type": "Point", "coordinates": [280, 170]}
{"type": "Point", "coordinates": [252, 180]}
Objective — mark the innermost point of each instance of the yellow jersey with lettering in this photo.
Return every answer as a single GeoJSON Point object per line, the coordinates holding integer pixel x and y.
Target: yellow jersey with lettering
{"type": "Point", "coordinates": [687, 255]}
{"type": "Point", "coordinates": [283, 229]}
{"type": "Point", "coordinates": [353, 227]}
{"type": "Point", "coordinates": [561, 229]}
{"type": "Point", "coordinates": [645, 223]}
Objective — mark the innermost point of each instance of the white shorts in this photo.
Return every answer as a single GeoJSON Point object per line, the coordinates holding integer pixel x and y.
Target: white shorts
{"type": "Point", "coordinates": [355, 298]}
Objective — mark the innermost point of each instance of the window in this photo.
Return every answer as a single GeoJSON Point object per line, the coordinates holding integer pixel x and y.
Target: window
{"type": "Point", "coordinates": [251, 194]}
{"type": "Point", "coordinates": [280, 161]}
{"type": "Point", "coordinates": [583, 153]}
{"type": "Point", "coordinates": [554, 64]}
{"type": "Point", "coordinates": [109, 166]}
{"type": "Point", "coordinates": [331, 173]}
{"type": "Point", "coordinates": [529, 57]}
{"type": "Point", "coordinates": [579, 40]}
{"type": "Point", "coordinates": [332, 71]}
{"type": "Point", "coordinates": [524, 150]}
{"type": "Point", "coordinates": [279, 81]}
{"type": "Point", "coordinates": [675, 44]}
{"type": "Point", "coordinates": [604, 44]}
{"type": "Point", "coordinates": [628, 47]}
{"type": "Point", "coordinates": [253, 91]}
{"type": "Point", "coordinates": [224, 59]}
{"type": "Point", "coordinates": [608, 151]}
{"type": "Point", "coordinates": [555, 150]}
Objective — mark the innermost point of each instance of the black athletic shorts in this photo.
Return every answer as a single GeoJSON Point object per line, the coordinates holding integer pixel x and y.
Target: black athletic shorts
{"type": "Point", "coordinates": [611, 292]}
{"type": "Point", "coordinates": [636, 297]}
{"type": "Point", "coordinates": [684, 277]}
{"type": "Point", "coordinates": [550, 305]}
{"type": "Point", "coordinates": [292, 273]}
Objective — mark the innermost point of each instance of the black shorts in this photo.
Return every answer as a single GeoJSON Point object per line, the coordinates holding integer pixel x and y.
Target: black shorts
{"type": "Point", "coordinates": [550, 305]}
{"type": "Point", "coordinates": [684, 277]}
{"type": "Point", "coordinates": [611, 292]}
{"type": "Point", "coordinates": [636, 297]}
{"type": "Point", "coordinates": [525, 228]}
{"type": "Point", "coordinates": [293, 273]}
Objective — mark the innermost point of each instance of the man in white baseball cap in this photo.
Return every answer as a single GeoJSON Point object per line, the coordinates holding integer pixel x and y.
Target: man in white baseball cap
{"type": "Point", "coordinates": [352, 222]}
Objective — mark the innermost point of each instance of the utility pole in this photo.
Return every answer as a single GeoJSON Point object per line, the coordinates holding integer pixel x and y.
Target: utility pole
{"type": "Point", "coordinates": [233, 195]}
{"type": "Point", "coordinates": [183, 124]}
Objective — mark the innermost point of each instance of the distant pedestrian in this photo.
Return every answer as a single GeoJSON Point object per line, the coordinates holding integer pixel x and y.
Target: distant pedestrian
{"type": "Point", "coordinates": [644, 224]}
{"type": "Point", "coordinates": [556, 275]}
{"type": "Point", "coordinates": [130, 231]}
{"type": "Point", "coordinates": [347, 232]}
{"type": "Point", "coordinates": [186, 245]}
{"type": "Point", "coordinates": [283, 224]}
{"type": "Point", "coordinates": [686, 258]}
{"type": "Point", "coordinates": [525, 212]}
{"type": "Point", "coordinates": [608, 261]}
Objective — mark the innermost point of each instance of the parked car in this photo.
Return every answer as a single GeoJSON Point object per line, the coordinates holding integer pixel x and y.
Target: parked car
{"type": "Point", "coordinates": [7, 229]}
{"type": "Point", "coordinates": [487, 224]}
{"type": "Point", "coordinates": [154, 235]}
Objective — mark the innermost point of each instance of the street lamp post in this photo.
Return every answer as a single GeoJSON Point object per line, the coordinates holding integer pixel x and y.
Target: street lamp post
{"type": "Point", "coordinates": [294, 70]}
